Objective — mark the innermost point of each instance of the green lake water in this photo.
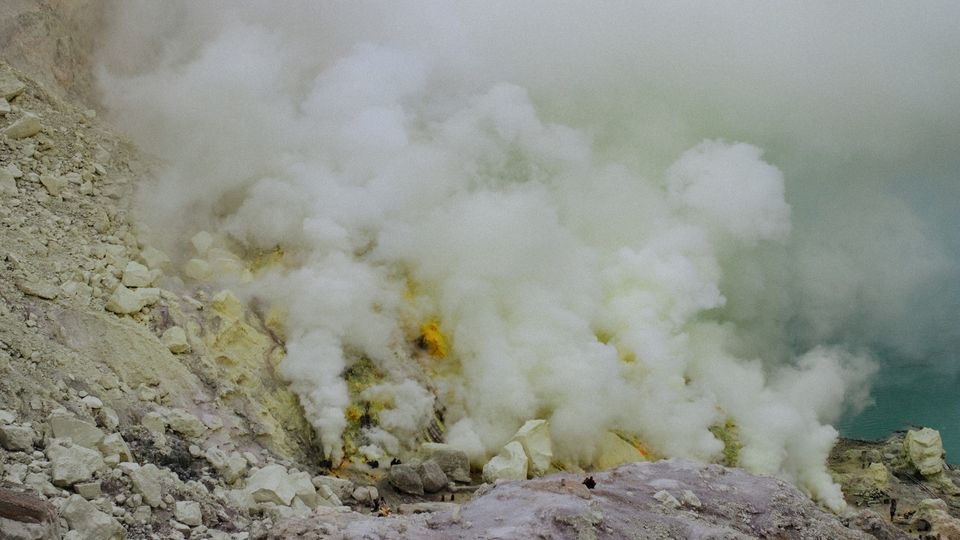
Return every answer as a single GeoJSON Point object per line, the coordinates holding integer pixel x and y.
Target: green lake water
{"type": "Point", "coordinates": [911, 396]}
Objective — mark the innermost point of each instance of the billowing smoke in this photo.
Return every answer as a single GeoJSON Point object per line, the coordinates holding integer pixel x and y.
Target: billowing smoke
{"type": "Point", "coordinates": [648, 218]}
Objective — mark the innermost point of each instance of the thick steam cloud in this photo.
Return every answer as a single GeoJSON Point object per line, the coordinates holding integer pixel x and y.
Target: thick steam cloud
{"type": "Point", "coordinates": [595, 244]}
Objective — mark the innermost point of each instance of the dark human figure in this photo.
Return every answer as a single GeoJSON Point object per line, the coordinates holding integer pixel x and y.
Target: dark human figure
{"type": "Point", "coordinates": [893, 508]}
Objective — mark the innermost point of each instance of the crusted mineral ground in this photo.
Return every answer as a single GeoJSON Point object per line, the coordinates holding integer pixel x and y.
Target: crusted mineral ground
{"type": "Point", "coordinates": [139, 399]}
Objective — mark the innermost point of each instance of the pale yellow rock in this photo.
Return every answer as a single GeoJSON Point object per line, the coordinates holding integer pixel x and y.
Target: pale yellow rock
{"type": "Point", "coordinates": [4, 106]}
{"type": "Point", "coordinates": [136, 275]}
{"type": "Point", "coordinates": [39, 289]}
{"type": "Point", "coordinates": [227, 305]}
{"type": "Point", "coordinates": [176, 340]}
{"type": "Point", "coordinates": [614, 451]}
{"type": "Point", "coordinates": [154, 259]}
{"type": "Point", "coordinates": [924, 450]}
{"type": "Point", "coordinates": [534, 436]}
{"type": "Point", "coordinates": [184, 423]}
{"type": "Point", "coordinates": [53, 184]}
{"type": "Point", "coordinates": [8, 184]}
{"type": "Point", "coordinates": [877, 473]}
{"type": "Point", "coordinates": [509, 464]}
{"type": "Point", "coordinates": [27, 125]}
{"type": "Point", "coordinates": [125, 301]}
{"type": "Point", "coordinates": [198, 269]}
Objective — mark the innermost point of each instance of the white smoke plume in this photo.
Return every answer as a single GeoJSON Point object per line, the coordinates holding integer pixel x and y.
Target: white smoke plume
{"type": "Point", "coordinates": [562, 186]}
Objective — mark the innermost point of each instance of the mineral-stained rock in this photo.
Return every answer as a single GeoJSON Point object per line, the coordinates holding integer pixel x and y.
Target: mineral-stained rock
{"type": "Point", "coordinates": [453, 462]}
{"type": "Point", "coordinates": [91, 523]}
{"type": "Point", "coordinates": [509, 464]}
{"type": "Point", "coordinates": [924, 450]}
{"type": "Point", "coordinates": [405, 478]}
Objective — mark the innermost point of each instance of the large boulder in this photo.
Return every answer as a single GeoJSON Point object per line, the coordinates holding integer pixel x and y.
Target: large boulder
{"type": "Point", "coordinates": [432, 476]}
{"type": "Point", "coordinates": [509, 464]}
{"type": "Point", "coordinates": [534, 436]}
{"type": "Point", "coordinates": [406, 478]}
{"type": "Point", "coordinates": [924, 451]}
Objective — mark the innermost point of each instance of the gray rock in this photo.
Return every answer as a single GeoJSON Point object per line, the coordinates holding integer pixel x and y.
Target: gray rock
{"type": "Point", "coordinates": [17, 438]}
{"type": "Point", "coordinates": [8, 184]}
{"type": "Point", "coordinates": [92, 524]}
{"type": "Point", "coordinates": [406, 479]}
{"type": "Point", "coordinates": [432, 476]}
{"type": "Point", "coordinates": [71, 463]}
{"type": "Point", "coordinates": [188, 513]}
{"type": "Point", "coordinates": [455, 463]}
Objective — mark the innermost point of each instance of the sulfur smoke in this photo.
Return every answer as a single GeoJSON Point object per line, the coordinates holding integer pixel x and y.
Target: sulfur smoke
{"type": "Point", "coordinates": [647, 218]}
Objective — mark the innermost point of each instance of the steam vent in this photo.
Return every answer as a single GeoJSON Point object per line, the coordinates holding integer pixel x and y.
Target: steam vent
{"type": "Point", "coordinates": [479, 270]}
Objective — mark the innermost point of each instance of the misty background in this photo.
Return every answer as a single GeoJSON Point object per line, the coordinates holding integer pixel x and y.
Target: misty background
{"type": "Point", "coordinates": [710, 187]}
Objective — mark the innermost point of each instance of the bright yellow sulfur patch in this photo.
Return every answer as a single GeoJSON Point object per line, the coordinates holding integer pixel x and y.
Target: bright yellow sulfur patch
{"type": "Point", "coordinates": [433, 339]}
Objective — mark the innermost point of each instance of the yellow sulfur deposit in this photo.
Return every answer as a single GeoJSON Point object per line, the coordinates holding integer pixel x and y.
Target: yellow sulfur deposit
{"type": "Point", "coordinates": [433, 339]}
